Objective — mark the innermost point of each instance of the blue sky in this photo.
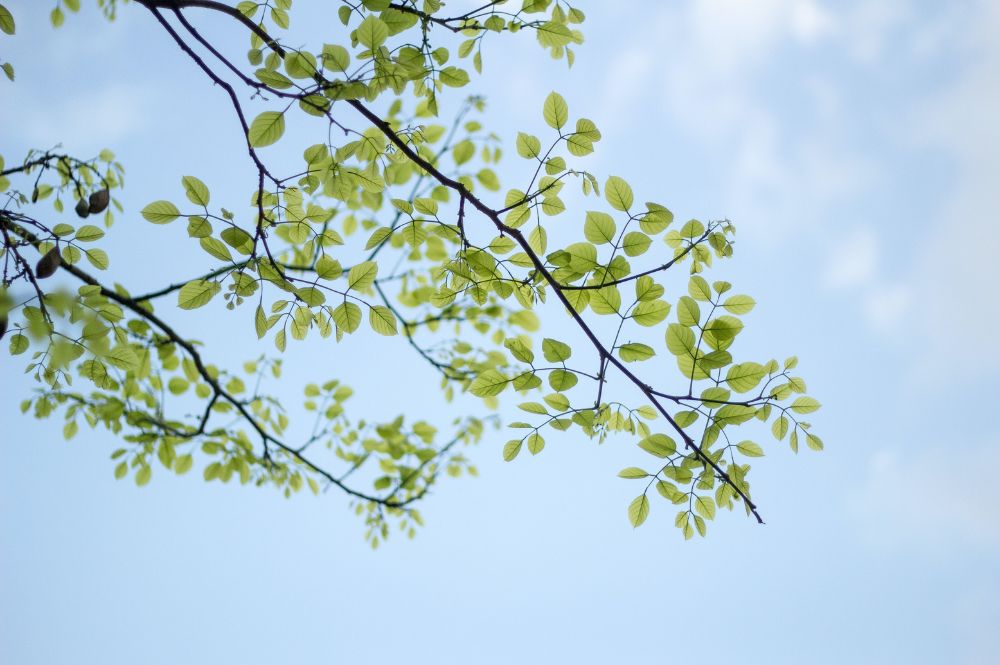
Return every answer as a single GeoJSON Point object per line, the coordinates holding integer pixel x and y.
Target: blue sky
{"type": "Point", "coordinates": [855, 146]}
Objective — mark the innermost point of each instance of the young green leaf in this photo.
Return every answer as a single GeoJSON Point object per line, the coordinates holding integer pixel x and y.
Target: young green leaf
{"type": "Point", "coordinates": [555, 111]}
{"type": "Point", "coordinates": [382, 320]}
{"type": "Point", "coordinates": [638, 510]}
{"type": "Point", "coordinates": [618, 193]}
{"type": "Point", "coordinates": [266, 129]}
{"type": "Point", "coordinates": [160, 212]}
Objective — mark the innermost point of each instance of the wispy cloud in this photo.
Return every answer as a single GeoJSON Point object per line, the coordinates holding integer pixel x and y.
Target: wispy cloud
{"type": "Point", "coordinates": [957, 268]}
{"type": "Point", "coordinates": [852, 259]}
{"type": "Point", "coordinates": [85, 120]}
{"type": "Point", "coordinates": [931, 500]}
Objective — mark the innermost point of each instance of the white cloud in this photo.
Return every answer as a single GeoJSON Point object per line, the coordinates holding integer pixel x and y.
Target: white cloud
{"type": "Point", "coordinates": [870, 24]}
{"type": "Point", "coordinates": [957, 269]}
{"type": "Point", "coordinates": [784, 167]}
{"type": "Point", "coordinates": [977, 615]}
{"type": "Point", "coordinates": [933, 500]}
{"type": "Point", "coordinates": [852, 264]}
{"type": "Point", "coordinates": [85, 120]}
{"type": "Point", "coordinates": [852, 260]}
{"type": "Point", "coordinates": [885, 305]}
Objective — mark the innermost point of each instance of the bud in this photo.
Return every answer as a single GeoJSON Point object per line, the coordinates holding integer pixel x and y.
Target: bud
{"type": "Point", "coordinates": [99, 201]}
{"type": "Point", "coordinates": [82, 207]}
{"type": "Point", "coordinates": [48, 264]}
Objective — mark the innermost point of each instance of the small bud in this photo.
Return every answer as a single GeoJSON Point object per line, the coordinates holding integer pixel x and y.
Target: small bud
{"type": "Point", "coordinates": [99, 201]}
{"type": "Point", "coordinates": [82, 207]}
{"type": "Point", "coordinates": [48, 264]}
{"type": "Point", "coordinates": [3, 325]}
{"type": "Point", "coordinates": [34, 195]}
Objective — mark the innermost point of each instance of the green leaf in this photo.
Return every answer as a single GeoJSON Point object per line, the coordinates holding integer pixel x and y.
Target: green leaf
{"type": "Point", "coordinates": [89, 233]}
{"type": "Point", "coordinates": [454, 77]}
{"type": "Point", "coordinates": [216, 248]}
{"type": "Point", "coordinates": [511, 449]}
{"type": "Point", "coordinates": [362, 276]}
{"type": "Point", "coordinates": [814, 441]}
{"type": "Point", "coordinates": [347, 316]}
{"type": "Point", "coordinates": [327, 268]}
{"type": "Point", "coordinates": [533, 407]}
{"type": "Point", "coordinates": [635, 243]}
{"type": "Point", "coordinates": [555, 351]}
{"type": "Point", "coordinates": [805, 405]}
{"type": "Point", "coordinates": [183, 464]}
{"type": "Point", "coordinates": [300, 65]}
{"type": "Point", "coordinates": [561, 379]}
{"type": "Point", "coordinates": [744, 377]}
{"type": "Point", "coordinates": [599, 228]}
{"type": "Point", "coordinates": [528, 146]}
{"type": "Point", "coordinates": [311, 296]}
{"type": "Point", "coordinates": [260, 322]}
{"type": "Point", "coordinates": [336, 57]}
{"type": "Point", "coordinates": [160, 212]}
{"type": "Point", "coordinates": [123, 357]}
{"type": "Point", "coordinates": [724, 328]}
{"type": "Point", "coordinates": [535, 443]}
{"type": "Point", "coordinates": [372, 32]}
{"type": "Point", "coordinates": [6, 20]}
{"type": "Point", "coordinates": [97, 258]}
{"type": "Point", "coordinates": [382, 320]}
{"type": "Point", "coordinates": [238, 239]}
{"type": "Point", "coordinates": [555, 111]}
{"type": "Point", "coordinates": [750, 449]}
{"type": "Point", "coordinates": [196, 293]}
{"type": "Point", "coordinates": [196, 190]}
{"type": "Point", "coordinates": [519, 350]}
{"type": "Point", "coordinates": [739, 304]}
{"type": "Point", "coordinates": [266, 129]}
{"type": "Point", "coordinates": [143, 475]}
{"type": "Point", "coordinates": [650, 313]}
{"type": "Point", "coordinates": [705, 507]}
{"type": "Point", "coordinates": [18, 344]}
{"type": "Point", "coordinates": [632, 473]}
{"type": "Point", "coordinates": [780, 428]}
{"type": "Point", "coordinates": [199, 227]}
{"type": "Point", "coordinates": [656, 219]}
{"type": "Point", "coordinates": [688, 312]}
{"type": "Point", "coordinates": [638, 510]}
{"type": "Point", "coordinates": [680, 340]}
{"type": "Point", "coordinates": [659, 445]}
{"type": "Point", "coordinates": [607, 300]}
{"type": "Point", "coordinates": [618, 193]}
{"type": "Point", "coordinates": [489, 384]}
{"type": "Point", "coordinates": [699, 289]}
{"type": "Point", "coordinates": [635, 351]}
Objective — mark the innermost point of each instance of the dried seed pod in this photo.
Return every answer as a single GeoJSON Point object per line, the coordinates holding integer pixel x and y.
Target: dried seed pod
{"type": "Point", "coordinates": [83, 207]}
{"type": "Point", "coordinates": [34, 195]}
{"type": "Point", "coordinates": [99, 201]}
{"type": "Point", "coordinates": [3, 325]}
{"type": "Point", "coordinates": [48, 264]}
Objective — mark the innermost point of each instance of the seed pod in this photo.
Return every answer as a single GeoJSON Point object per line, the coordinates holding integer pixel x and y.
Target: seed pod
{"type": "Point", "coordinates": [48, 264]}
{"type": "Point", "coordinates": [3, 325]}
{"type": "Point", "coordinates": [83, 207]}
{"type": "Point", "coordinates": [99, 201]}
{"type": "Point", "coordinates": [34, 195]}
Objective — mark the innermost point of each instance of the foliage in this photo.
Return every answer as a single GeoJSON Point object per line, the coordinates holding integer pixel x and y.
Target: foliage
{"type": "Point", "coordinates": [397, 223]}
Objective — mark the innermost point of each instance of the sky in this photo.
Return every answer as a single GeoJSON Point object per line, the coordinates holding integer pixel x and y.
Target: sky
{"type": "Point", "coordinates": [852, 145]}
